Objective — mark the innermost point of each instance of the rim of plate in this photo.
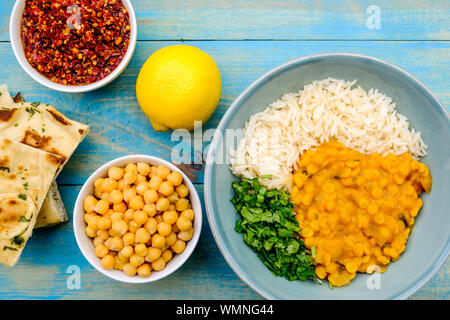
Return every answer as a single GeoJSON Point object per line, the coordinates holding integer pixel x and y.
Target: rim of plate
{"type": "Point", "coordinates": [225, 120]}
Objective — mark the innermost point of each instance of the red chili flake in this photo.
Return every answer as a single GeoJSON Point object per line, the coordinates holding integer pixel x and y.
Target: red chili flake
{"type": "Point", "coordinates": [75, 42]}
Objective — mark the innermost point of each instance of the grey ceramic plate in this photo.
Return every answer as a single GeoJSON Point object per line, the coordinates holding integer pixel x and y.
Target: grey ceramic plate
{"type": "Point", "coordinates": [429, 243]}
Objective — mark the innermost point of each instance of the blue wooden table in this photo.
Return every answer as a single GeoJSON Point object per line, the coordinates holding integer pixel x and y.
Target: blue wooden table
{"type": "Point", "coordinates": [246, 38]}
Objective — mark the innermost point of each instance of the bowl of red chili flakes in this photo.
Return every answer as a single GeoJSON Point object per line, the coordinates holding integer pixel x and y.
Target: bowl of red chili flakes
{"type": "Point", "coordinates": [73, 46]}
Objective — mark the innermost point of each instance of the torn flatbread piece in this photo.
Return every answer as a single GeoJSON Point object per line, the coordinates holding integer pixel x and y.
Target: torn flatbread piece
{"type": "Point", "coordinates": [26, 174]}
{"type": "Point", "coordinates": [53, 211]}
{"type": "Point", "coordinates": [49, 130]}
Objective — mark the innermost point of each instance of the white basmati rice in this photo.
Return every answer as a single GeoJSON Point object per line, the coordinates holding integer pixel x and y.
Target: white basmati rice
{"type": "Point", "coordinates": [366, 121]}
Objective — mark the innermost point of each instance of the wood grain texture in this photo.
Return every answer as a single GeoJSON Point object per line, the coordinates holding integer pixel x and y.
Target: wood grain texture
{"type": "Point", "coordinates": [414, 35]}
{"type": "Point", "coordinates": [286, 20]}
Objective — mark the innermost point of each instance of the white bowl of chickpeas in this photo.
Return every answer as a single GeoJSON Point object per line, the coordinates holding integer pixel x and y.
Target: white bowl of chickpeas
{"type": "Point", "coordinates": [137, 219]}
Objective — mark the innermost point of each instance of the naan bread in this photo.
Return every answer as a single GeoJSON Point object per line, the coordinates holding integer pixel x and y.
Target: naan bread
{"type": "Point", "coordinates": [26, 174]}
{"type": "Point", "coordinates": [43, 127]}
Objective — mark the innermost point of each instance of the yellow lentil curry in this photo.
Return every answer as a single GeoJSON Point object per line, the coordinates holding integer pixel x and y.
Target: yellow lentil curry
{"type": "Point", "coordinates": [356, 211]}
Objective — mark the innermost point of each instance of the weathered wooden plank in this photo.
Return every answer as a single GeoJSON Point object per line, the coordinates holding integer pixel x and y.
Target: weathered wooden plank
{"type": "Point", "coordinates": [43, 271]}
{"type": "Point", "coordinates": [287, 19]}
{"type": "Point", "coordinates": [120, 128]}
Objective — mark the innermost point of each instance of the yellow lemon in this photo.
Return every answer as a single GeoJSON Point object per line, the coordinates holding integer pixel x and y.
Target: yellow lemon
{"type": "Point", "coordinates": [178, 85]}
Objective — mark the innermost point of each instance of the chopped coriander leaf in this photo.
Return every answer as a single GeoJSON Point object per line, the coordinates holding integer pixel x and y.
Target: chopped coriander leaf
{"type": "Point", "coordinates": [269, 227]}
{"type": "Point", "coordinates": [24, 219]}
{"type": "Point", "coordinates": [35, 104]}
{"type": "Point", "coordinates": [23, 196]}
{"type": "Point", "coordinates": [16, 125]}
{"type": "Point", "coordinates": [9, 248]}
{"type": "Point", "coordinates": [5, 169]}
{"type": "Point", "coordinates": [17, 240]}
{"type": "Point", "coordinates": [25, 185]}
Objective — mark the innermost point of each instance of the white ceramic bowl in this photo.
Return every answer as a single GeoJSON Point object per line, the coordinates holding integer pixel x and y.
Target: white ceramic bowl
{"type": "Point", "coordinates": [17, 46]}
{"type": "Point", "coordinates": [86, 245]}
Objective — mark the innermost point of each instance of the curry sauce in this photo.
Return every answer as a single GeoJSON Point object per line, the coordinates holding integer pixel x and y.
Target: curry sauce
{"type": "Point", "coordinates": [356, 211]}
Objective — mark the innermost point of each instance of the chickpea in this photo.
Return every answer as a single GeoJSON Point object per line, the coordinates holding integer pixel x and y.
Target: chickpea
{"type": "Point", "coordinates": [178, 246]}
{"type": "Point", "coordinates": [108, 185]}
{"type": "Point", "coordinates": [136, 260]}
{"type": "Point", "coordinates": [164, 228]}
{"type": "Point", "coordinates": [128, 194]}
{"type": "Point", "coordinates": [155, 182]}
{"type": "Point", "coordinates": [128, 238]}
{"type": "Point", "coordinates": [158, 241]}
{"type": "Point", "coordinates": [150, 196]}
{"type": "Point", "coordinates": [105, 196]}
{"type": "Point", "coordinates": [120, 227]}
{"type": "Point", "coordinates": [162, 204]}
{"type": "Point", "coordinates": [182, 191]}
{"type": "Point", "coordinates": [129, 177]}
{"type": "Point", "coordinates": [144, 168]}
{"type": "Point", "coordinates": [162, 171]}
{"type": "Point", "coordinates": [107, 262]}
{"type": "Point", "coordinates": [115, 173]}
{"type": "Point", "coordinates": [153, 254]}
{"type": "Point", "coordinates": [102, 207]}
{"type": "Point", "coordinates": [144, 270]}
{"type": "Point", "coordinates": [88, 216]}
{"type": "Point", "coordinates": [175, 178]}
{"type": "Point", "coordinates": [142, 187]}
{"type": "Point", "coordinates": [188, 213]}
{"type": "Point", "coordinates": [181, 204]}
{"type": "Point", "coordinates": [167, 255]}
{"type": "Point", "coordinates": [121, 185]}
{"type": "Point", "coordinates": [133, 226]}
{"type": "Point", "coordinates": [93, 221]}
{"type": "Point", "coordinates": [140, 217]}
{"type": "Point", "coordinates": [116, 244]}
{"type": "Point", "coordinates": [120, 207]}
{"type": "Point", "coordinates": [139, 179]}
{"type": "Point", "coordinates": [159, 264]}
{"type": "Point", "coordinates": [126, 251]}
{"type": "Point", "coordinates": [151, 226]}
{"type": "Point", "coordinates": [150, 209]}
{"type": "Point", "coordinates": [184, 223]}
{"type": "Point", "coordinates": [171, 239]}
{"type": "Point", "coordinates": [131, 167]}
{"type": "Point", "coordinates": [129, 270]}
{"type": "Point", "coordinates": [170, 216]}
{"type": "Point", "coordinates": [89, 203]}
{"type": "Point", "coordinates": [141, 249]}
{"type": "Point", "coordinates": [173, 198]}
{"type": "Point", "coordinates": [97, 241]}
{"type": "Point", "coordinates": [129, 214]}
{"type": "Point", "coordinates": [91, 233]}
{"type": "Point", "coordinates": [186, 235]}
{"type": "Point", "coordinates": [166, 188]}
{"type": "Point", "coordinates": [98, 183]}
{"type": "Point", "coordinates": [118, 263]}
{"type": "Point", "coordinates": [101, 250]}
{"type": "Point", "coordinates": [116, 216]}
{"type": "Point", "coordinates": [104, 223]}
{"type": "Point", "coordinates": [142, 236]}
{"type": "Point", "coordinates": [103, 234]}
{"type": "Point", "coordinates": [136, 202]}
{"type": "Point", "coordinates": [115, 196]}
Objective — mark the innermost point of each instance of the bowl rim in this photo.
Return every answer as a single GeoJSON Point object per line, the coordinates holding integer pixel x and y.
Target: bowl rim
{"type": "Point", "coordinates": [248, 91]}
{"type": "Point", "coordinates": [17, 46]}
{"type": "Point", "coordinates": [81, 238]}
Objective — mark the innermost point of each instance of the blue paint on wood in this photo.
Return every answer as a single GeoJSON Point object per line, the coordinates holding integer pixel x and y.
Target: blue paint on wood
{"type": "Point", "coordinates": [415, 37]}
